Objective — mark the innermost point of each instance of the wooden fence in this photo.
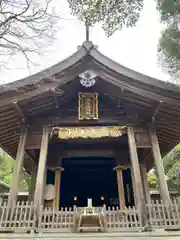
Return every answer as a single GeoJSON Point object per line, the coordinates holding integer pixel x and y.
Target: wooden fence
{"type": "Point", "coordinates": [19, 218]}
{"type": "Point", "coordinates": [121, 220]}
{"type": "Point", "coordinates": [23, 217]}
{"type": "Point", "coordinates": [53, 221]}
{"type": "Point", "coordinates": [160, 215]}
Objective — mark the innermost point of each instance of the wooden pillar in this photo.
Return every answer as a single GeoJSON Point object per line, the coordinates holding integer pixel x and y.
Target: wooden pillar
{"type": "Point", "coordinates": [57, 187]}
{"type": "Point", "coordinates": [136, 172]}
{"type": "Point", "coordinates": [159, 165]}
{"type": "Point", "coordinates": [17, 167]}
{"type": "Point", "coordinates": [145, 184]}
{"type": "Point", "coordinates": [32, 183]}
{"type": "Point", "coordinates": [134, 187]}
{"type": "Point", "coordinates": [120, 187]}
{"type": "Point", "coordinates": [39, 189]}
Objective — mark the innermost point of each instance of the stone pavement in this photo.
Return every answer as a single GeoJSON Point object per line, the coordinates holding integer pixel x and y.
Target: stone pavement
{"type": "Point", "coordinates": [156, 235]}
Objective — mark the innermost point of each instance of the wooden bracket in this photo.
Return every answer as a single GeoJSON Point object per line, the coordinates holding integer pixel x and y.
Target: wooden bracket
{"type": "Point", "coordinates": [156, 111]}
{"type": "Point", "coordinates": [19, 110]}
{"type": "Point", "coordinates": [55, 97]}
{"type": "Point", "coordinates": [122, 167]}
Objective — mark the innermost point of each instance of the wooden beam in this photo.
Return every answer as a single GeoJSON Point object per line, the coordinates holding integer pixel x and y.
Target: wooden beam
{"type": "Point", "coordinates": [119, 172]}
{"type": "Point", "coordinates": [142, 140]}
{"type": "Point", "coordinates": [40, 90]}
{"type": "Point", "coordinates": [120, 97]}
{"type": "Point", "coordinates": [39, 190]}
{"type": "Point", "coordinates": [159, 166]}
{"type": "Point", "coordinates": [134, 186]}
{"type": "Point", "coordinates": [65, 77]}
{"type": "Point", "coordinates": [55, 95]}
{"type": "Point", "coordinates": [18, 109]}
{"type": "Point", "coordinates": [17, 167]}
{"type": "Point", "coordinates": [136, 171]}
{"type": "Point", "coordinates": [141, 92]}
{"type": "Point", "coordinates": [73, 121]}
{"type": "Point", "coordinates": [32, 183]}
{"type": "Point", "coordinates": [146, 157]}
{"type": "Point", "coordinates": [30, 157]}
{"type": "Point", "coordinates": [145, 184]}
{"type": "Point", "coordinates": [10, 121]}
{"type": "Point", "coordinates": [156, 111]}
{"type": "Point", "coordinates": [10, 140]}
{"type": "Point", "coordinates": [56, 201]}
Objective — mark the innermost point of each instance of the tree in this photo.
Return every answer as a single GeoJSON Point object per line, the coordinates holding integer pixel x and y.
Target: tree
{"type": "Point", "coordinates": [172, 166]}
{"type": "Point", "coordinates": [169, 45]}
{"type": "Point", "coordinates": [113, 14]}
{"type": "Point", "coordinates": [117, 14]}
{"type": "Point", "coordinates": [172, 170]}
{"type": "Point", "coordinates": [152, 179]}
{"type": "Point", "coordinates": [26, 26]}
{"type": "Point", "coordinates": [6, 170]}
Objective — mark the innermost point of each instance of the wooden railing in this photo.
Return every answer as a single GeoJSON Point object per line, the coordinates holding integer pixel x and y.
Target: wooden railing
{"type": "Point", "coordinates": [127, 219]}
{"type": "Point", "coordinates": [23, 217]}
{"type": "Point", "coordinates": [160, 215]}
{"type": "Point", "coordinates": [50, 220]}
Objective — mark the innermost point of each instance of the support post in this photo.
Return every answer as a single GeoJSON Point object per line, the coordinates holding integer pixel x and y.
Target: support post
{"type": "Point", "coordinates": [159, 165]}
{"type": "Point", "coordinates": [145, 184]}
{"type": "Point", "coordinates": [39, 189]}
{"type": "Point", "coordinates": [136, 172]}
{"type": "Point", "coordinates": [32, 183]}
{"type": "Point", "coordinates": [120, 187]}
{"type": "Point", "coordinates": [134, 186]}
{"type": "Point", "coordinates": [57, 188]}
{"type": "Point", "coordinates": [17, 167]}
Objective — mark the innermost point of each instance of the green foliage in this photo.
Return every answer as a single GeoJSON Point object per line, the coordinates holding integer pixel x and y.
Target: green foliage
{"type": "Point", "coordinates": [113, 14]}
{"type": "Point", "coordinates": [171, 165]}
{"type": "Point", "coordinates": [172, 170]}
{"type": "Point", "coordinates": [169, 45]}
{"type": "Point", "coordinates": [152, 179]}
{"type": "Point", "coordinates": [6, 169]}
{"type": "Point", "coordinates": [116, 14]}
{"type": "Point", "coordinates": [169, 11]}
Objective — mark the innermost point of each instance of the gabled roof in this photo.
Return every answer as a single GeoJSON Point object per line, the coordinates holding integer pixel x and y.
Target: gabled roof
{"type": "Point", "coordinates": [88, 49]}
{"type": "Point", "coordinates": [36, 93]}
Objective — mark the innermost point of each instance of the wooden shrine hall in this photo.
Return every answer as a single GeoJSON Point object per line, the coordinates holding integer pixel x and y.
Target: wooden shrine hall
{"type": "Point", "coordinates": [89, 128]}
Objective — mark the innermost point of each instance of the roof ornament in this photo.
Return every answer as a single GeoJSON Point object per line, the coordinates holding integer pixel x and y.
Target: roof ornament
{"type": "Point", "coordinates": [87, 31]}
{"type": "Point", "coordinates": [88, 78]}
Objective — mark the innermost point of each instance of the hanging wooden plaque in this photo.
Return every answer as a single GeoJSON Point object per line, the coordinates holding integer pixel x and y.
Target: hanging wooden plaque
{"type": "Point", "coordinates": [88, 106]}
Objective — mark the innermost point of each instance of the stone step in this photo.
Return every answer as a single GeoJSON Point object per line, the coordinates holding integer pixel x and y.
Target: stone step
{"type": "Point", "coordinates": [156, 235]}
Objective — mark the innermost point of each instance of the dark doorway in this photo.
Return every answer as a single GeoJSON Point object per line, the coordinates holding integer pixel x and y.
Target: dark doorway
{"type": "Point", "coordinates": [90, 177]}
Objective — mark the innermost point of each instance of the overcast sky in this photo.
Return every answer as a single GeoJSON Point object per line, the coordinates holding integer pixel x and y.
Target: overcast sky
{"type": "Point", "coordinates": [135, 48]}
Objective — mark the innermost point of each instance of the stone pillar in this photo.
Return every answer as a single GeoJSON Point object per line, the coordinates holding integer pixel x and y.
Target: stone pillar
{"type": "Point", "coordinates": [136, 172]}
{"type": "Point", "coordinates": [39, 189]}
{"type": "Point", "coordinates": [159, 165]}
{"type": "Point", "coordinates": [57, 187]}
{"type": "Point", "coordinates": [32, 183]}
{"type": "Point", "coordinates": [17, 167]}
{"type": "Point", "coordinates": [145, 184]}
{"type": "Point", "coordinates": [120, 187]}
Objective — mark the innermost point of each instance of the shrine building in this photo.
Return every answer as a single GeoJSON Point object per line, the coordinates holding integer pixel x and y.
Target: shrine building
{"type": "Point", "coordinates": [89, 128]}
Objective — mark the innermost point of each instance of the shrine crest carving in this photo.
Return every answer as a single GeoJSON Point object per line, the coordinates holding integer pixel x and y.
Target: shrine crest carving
{"type": "Point", "coordinates": [87, 106]}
